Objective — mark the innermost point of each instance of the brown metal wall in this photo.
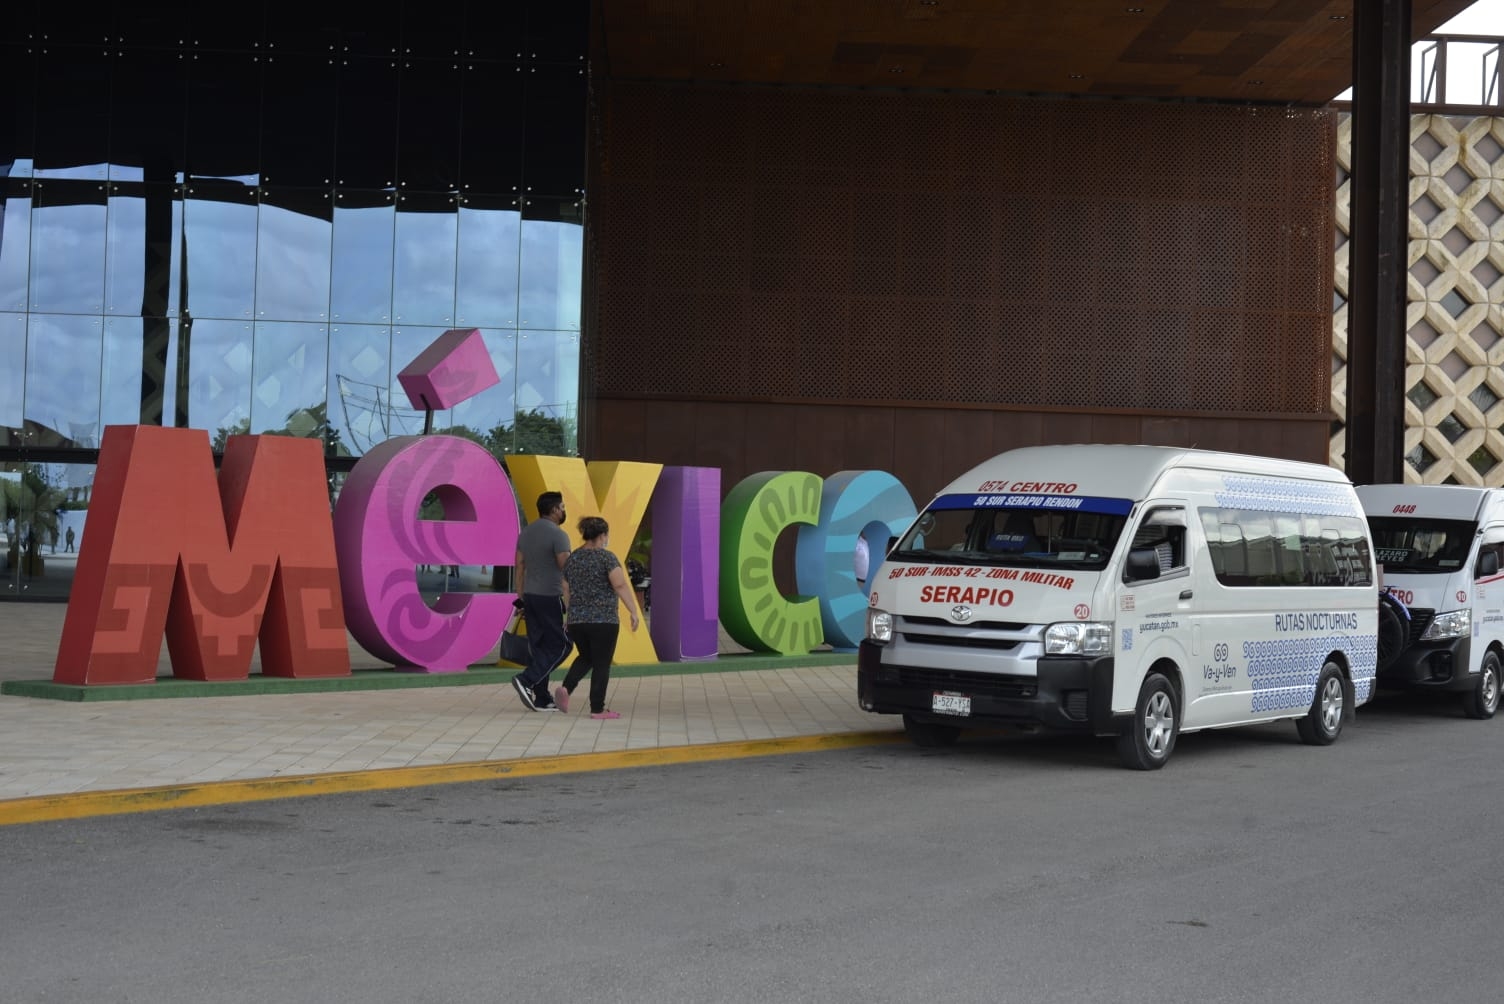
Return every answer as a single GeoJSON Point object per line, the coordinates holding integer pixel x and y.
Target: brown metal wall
{"type": "Point", "coordinates": [821, 280]}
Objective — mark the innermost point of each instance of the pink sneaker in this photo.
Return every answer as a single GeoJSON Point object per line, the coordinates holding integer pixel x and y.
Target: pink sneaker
{"type": "Point", "coordinates": [561, 699]}
{"type": "Point", "coordinates": [605, 714]}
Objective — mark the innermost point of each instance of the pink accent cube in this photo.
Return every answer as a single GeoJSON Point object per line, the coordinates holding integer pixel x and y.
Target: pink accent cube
{"type": "Point", "coordinates": [455, 368]}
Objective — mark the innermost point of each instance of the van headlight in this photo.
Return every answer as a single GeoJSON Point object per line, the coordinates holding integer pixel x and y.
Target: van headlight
{"type": "Point", "coordinates": [1078, 638]}
{"type": "Point", "coordinates": [1452, 624]}
{"type": "Point", "coordinates": [879, 626]}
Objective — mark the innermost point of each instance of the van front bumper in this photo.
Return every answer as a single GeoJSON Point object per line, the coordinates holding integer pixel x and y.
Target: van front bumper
{"type": "Point", "coordinates": [1068, 694]}
{"type": "Point", "coordinates": [1437, 667]}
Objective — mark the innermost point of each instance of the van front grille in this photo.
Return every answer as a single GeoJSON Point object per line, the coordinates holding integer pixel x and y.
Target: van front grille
{"type": "Point", "coordinates": [994, 685]}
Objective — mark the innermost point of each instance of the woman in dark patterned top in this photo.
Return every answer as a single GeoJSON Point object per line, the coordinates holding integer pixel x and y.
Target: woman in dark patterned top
{"type": "Point", "coordinates": [596, 581]}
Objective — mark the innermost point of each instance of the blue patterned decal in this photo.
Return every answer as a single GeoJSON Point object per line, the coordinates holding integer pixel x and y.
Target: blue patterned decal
{"type": "Point", "coordinates": [1283, 672]}
{"type": "Point", "coordinates": [1127, 639]}
{"type": "Point", "coordinates": [1286, 495]}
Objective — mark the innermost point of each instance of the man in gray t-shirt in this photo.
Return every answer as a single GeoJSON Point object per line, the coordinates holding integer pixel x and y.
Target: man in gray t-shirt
{"type": "Point", "coordinates": [542, 549]}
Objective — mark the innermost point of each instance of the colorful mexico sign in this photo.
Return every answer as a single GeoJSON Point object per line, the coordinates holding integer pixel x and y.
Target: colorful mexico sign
{"type": "Point", "coordinates": [218, 561]}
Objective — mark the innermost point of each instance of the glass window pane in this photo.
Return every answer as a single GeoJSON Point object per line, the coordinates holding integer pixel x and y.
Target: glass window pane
{"type": "Point", "coordinates": [224, 112]}
{"type": "Point", "coordinates": [12, 376]}
{"type": "Point", "coordinates": [62, 377]}
{"type": "Point", "coordinates": [428, 125]}
{"type": "Point", "coordinates": [293, 255]}
{"type": "Point", "coordinates": [491, 152]}
{"type": "Point", "coordinates": [18, 97]}
{"type": "Point", "coordinates": [67, 247]}
{"type": "Point", "coordinates": [15, 244]}
{"type": "Point", "coordinates": [148, 116]}
{"type": "Point", "coordinates": [548, 381]}
{"type": "Point", "coordinates": [73, 113]}
{"type": "Point", "coordinates": [297, 148]}
{"type": "Point", "coordinates": [361, 268]}
{"type": "Point", "coordinates": [219, 380]}
{"type": "Point", "coordinates": [423, 268]}
{"type": "Point", "coordinates": [220, 223]}
{"type": "Point", "coordinates": [365, 152]}
{"type": "Point", "coordinates": [551, 263]}
{"type": "Point", "coordinates": [553, 130]}
{"type": "Point", "coordinates": [140, 358]}
{"type": "Point", "coordinates": [289, 389]}
{"type": "Point", "coordinates": [360, 381]}
{"type": "Point", "coordinates": [490, 235]}
{"type": "Point", "coordinates": [133, 257]}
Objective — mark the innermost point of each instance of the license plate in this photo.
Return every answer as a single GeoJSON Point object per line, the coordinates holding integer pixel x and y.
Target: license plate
{"type": "Point", "coordinates": [950, 704]}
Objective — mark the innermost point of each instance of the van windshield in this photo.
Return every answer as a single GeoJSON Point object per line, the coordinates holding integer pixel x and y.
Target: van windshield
{"type": "Point", "coordinates": [1412, 544]}
{"type": "Point", "coordinates": [1026, 536]}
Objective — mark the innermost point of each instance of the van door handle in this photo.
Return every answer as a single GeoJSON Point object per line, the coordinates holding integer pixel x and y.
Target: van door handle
{"type": "Point", "coordinates": [1185, 594]}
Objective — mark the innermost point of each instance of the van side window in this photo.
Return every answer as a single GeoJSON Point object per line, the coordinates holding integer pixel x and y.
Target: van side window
{"type": "Point", "coordinates": [1167, 542]}
{"type": "Point", "coordinates": [1497, 550]}
{"type": "Point", "coordinates": [1256, 547]}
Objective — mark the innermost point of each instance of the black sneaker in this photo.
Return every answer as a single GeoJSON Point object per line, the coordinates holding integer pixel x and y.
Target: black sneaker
{"type": "Point", "coordinates": [526, 693]}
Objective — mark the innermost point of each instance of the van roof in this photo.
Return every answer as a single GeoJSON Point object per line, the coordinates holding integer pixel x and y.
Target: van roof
{"type": "Point", "coordinates": [1437, 501]}
{"type": "Point", "coordinates": [1118, 470]}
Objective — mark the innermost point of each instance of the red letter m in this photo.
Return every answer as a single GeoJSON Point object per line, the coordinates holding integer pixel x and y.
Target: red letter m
{"type": "Point", "coordinates": [214, 563]}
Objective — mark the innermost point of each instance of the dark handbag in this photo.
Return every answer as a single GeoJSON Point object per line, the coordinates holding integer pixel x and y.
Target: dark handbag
{"type": "Point", "coordinates": [514, 644]}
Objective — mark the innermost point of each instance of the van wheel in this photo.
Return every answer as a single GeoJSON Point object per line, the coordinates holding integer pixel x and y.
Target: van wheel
{"type": "Point", "coordinates": [1483, 700]}
{"type": "Point", "coordinates": [1150, 738]}
{"type": "Point", "coordinates": [928, 734]}
{"type": "Point", "coordinates": [1394, 631]}
{"type": "Point", "coordinates": [1322, 724]}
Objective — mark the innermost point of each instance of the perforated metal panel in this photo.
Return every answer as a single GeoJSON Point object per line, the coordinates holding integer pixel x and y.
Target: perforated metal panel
{"type": "Point", "coordinates": [962, 249]}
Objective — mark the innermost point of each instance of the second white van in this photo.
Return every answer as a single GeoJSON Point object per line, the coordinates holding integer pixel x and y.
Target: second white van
{"type": "Point", "coordinates": [1439, 549]}
{"type": "Point", "coordinates": [1140, 592]}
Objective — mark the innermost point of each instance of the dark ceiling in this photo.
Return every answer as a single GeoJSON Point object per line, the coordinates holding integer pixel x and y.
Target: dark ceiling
{"type": "Point", "coordinates": [1284, 51]}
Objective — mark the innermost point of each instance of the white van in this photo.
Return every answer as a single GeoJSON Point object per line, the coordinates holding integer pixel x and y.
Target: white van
{"type": "Point", "coordinates": [1135, 591]}
{"type": "Point", "coordinates": [1439, 548]}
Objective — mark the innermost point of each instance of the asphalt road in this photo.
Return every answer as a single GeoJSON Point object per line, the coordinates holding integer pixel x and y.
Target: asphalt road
{"type": "Point", "coordinates": [1252, 868]}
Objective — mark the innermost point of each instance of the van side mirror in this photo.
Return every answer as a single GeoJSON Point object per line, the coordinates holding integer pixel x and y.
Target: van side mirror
{"type": "Point", "coordinates": [1143, 563]}
{"type": "Point", "coordinates": [1488, 564]}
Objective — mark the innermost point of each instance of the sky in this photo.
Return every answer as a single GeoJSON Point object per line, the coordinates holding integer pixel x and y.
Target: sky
{"type": "Point", "coordinates": [1486, 17]}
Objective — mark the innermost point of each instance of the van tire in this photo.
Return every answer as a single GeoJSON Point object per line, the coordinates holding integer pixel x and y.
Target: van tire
{"type": "Point", "coordinates": [1322, 724]}
{"type": "Point", "coordinates": [1483, 700]}
{"type": "Point", "coordinates": [1150, 737]}
{"type": "Point", "coordinates": [1394, 631]}
{"type": "Point", "coordinates": [928, 734]}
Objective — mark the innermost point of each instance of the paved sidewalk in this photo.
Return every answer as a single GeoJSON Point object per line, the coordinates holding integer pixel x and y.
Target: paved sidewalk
{"type": "Point", "coordinates": [50, 747]}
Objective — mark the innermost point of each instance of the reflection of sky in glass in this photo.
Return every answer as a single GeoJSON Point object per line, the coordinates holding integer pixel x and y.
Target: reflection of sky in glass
{"type": "Point", "coordinates": [68, 346]}
{"type": "Point", "coordinates": [423, 269]}
{"type": "Point", "coordinates": [292, 265]}
{"type": "Point", "coordinates": [252, 266]}
{"type": "Point", "coordinates": [15, 252]}
{"type": "Point", "coordinates": [361, 279]}
{"type": "Point", "coordinates": [67, 259]}
{"type": "Point", "coordinates": [290, 361]}
{"type": "Point", "coordinates": [221, 240]}
{"type": "Point", "coordinates": [12, 370]}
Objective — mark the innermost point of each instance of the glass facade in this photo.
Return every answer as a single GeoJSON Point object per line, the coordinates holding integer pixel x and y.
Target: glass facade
{"type": "Point", "coordinates": [254, 226]}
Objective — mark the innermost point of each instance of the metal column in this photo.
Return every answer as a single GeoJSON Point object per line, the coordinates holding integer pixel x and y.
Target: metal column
{"type": "Point", "coordinates": [1377, 262]}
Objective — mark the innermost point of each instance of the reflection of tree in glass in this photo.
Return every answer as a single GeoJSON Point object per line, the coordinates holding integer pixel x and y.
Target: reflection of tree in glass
{"type": "Point", "coordinates": [311, 422]}
{"type": "Point", "coordinates": [534, 432]}
{"type": "Point", "coordinates": [33, 501]}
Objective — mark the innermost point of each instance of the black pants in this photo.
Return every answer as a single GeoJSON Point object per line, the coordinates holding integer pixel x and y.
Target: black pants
{"type": "Point", "coordinates": [596, 644]}
{"type": "Point", "coordinates": [548, 645]}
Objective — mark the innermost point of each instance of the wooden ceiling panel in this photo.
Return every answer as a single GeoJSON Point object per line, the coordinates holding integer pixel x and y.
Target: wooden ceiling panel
{"type": "Point", "coordinates": [1284, 51]}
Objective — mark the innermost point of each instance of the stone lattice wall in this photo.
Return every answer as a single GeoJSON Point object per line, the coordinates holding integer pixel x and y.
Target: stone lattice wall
{"type": "Point", "coordinates": [1454, 346]}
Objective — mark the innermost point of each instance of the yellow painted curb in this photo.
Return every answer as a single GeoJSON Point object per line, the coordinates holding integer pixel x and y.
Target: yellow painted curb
{"type": "Point", "coordinates": [80, 805]}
